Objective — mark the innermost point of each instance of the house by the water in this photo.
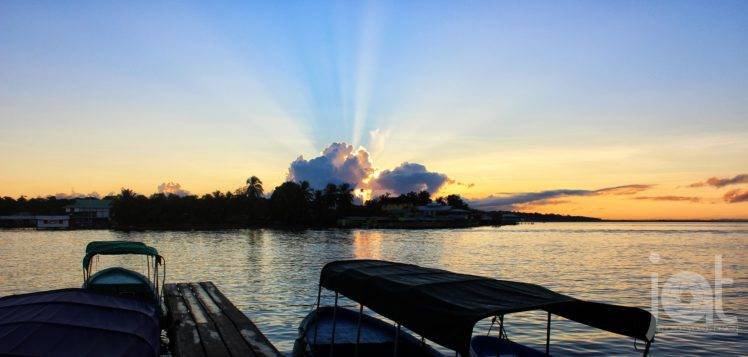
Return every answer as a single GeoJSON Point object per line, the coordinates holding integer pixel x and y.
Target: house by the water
{"type": "Point", "coordinates": [89, 212]}
{"type": "Point", "coordinates": [53, 222]}
{"type": "Point", "coordinates": [83, 213]}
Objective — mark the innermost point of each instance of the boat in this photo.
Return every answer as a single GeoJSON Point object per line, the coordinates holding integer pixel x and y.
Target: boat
{"type": "Point", "coordinates": [374, 338]}
{"type": "Point", "coordinates": [78, 322]}
{"type": "Point", "coordinates": [120, 281]}
{"type": "Point", "coordinates": [443, 308]}
{"type": "Point", "coordinates": [117, 311]}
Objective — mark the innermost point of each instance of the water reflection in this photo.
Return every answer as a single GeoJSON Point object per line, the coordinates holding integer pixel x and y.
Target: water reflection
{"type": "Point", "coordinates": [367, 244]}
{"type": "Point", "coordinates": [272, 275]}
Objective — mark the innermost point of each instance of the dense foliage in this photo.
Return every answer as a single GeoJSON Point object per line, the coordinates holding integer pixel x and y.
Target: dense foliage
{"type": "Point", "coordinates": [291, 204]}
{"type": "Point", "coordinates": [33, 206]}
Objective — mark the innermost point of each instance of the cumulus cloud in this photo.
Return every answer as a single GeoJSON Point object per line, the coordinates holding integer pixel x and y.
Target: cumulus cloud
{"type": "Point", "coordinates": [736, 196]}
{"type": "Point", "coordinates": [409, 177]}
{"type": "Point", "coordinates": [670, 198]}
{"type": "Point", "coordinates": [510, 201]}
{"type": "Point", "coordinates": [73, 194]}
{"type": "Point", "coordinates": [721, 182]}
{"type": "Point", "coordinates": [339, 163]}
{"type": "Point", "coordinates": [172, 188]}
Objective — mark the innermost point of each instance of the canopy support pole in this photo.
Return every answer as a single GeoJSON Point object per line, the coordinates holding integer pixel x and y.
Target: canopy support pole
{"type": "Point", "coordinates": [548, 336]}
{"type": "Point", "coordinates": [334, 321]}
{"type": "Point", "coordinates": [501, 326]}
{"type": "Point", "coordinates": [358, 329]}
{"type": "Point", "coordinates": [316, 313]}
{"type": "Point", "coordinates": [646, 348]}
{"type": "Point", "coordinates": [397, 337]}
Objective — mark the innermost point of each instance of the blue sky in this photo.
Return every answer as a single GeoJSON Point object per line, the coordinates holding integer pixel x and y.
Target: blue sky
{"type": "Point", "coordinates": [104, 92]}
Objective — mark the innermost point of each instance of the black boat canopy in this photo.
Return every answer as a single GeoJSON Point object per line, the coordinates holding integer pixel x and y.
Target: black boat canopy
{"type": "Point", "coordinates": [444, 306]}
{"type": "Point", "coordinates": [117, 247]}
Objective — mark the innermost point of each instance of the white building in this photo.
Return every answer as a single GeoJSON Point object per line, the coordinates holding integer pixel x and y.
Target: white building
{"type": "Point", "coordinates": [53, 222]}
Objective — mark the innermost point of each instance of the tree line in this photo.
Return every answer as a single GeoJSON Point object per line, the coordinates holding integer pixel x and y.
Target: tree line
{"type": "Point", "coordinates": [291, 204]}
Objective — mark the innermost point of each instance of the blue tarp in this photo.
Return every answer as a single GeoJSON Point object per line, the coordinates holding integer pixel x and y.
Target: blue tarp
{"type": "Point", "coordinates": [77, 322]}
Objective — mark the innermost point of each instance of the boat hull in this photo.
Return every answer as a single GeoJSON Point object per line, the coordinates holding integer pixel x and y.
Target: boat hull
{"type": "Point", "coordinates": [377, 337]}
{"type": "Point", "coordinates": [491, 346]}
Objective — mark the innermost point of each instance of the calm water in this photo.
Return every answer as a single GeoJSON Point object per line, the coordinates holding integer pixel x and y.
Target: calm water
{"type": "Point", "coordinates": [272, 275]}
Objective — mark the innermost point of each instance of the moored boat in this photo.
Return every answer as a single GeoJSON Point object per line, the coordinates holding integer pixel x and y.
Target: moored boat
{"type": "Point", "coordinates": [121, 281]}
{"type": "Point", "coordinates": [443, 307]}
{"type": "Point", "coordinates": [117, 312]}
{"type": "Point", "coordinates": [78, 322]}
{"type": "Point", "coordinates": [374, 337]}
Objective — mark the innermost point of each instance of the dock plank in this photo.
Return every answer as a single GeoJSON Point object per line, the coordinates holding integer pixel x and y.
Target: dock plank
{"type": "Point", "coordinates": [182, 332]}
{"type": "Point", "coordinates": [248, 330]}
{"type": "Point", "coordinates": [233, 340]}
{"type": "Point", "coordinates": [209, 336]}
{"type": "Point", "coordinates": [203, 322]}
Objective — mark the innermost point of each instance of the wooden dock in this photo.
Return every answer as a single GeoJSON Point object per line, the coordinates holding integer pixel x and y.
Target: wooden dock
{"type": "Point", "coordinates": [203, 322]}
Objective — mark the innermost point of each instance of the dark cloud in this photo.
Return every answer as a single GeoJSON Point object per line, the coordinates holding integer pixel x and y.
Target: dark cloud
{"type": "Point", "coordinates": [339, 163]}
{"type": "Point", "coordinates": [736, 196]}
{"type": "Point", "coordinates": [509, 201]}
{"type": "Point", "coordinates": [623, 190]}
{"type": "Point", "coordinates": [172, 188]}
{"type": "Point", "coordinates": [721, 182]}
{"type": "Point", "coordinates": [408, 177]}
{"type": "Point", "coordinates": [670, 198]}
{"type": "Point", "coordinates": [548, 202]}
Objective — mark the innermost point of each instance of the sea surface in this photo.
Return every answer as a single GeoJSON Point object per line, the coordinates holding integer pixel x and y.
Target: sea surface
{"type": "Point", "coordinates": [272, 275]}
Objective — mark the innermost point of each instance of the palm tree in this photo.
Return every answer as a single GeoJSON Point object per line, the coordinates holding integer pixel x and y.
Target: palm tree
{"type": "Point", "coordinates": [254, 187]}
{"type": "Point", "coordinates": [330, 195]}
{"type": "Point", "coordinates": [307, 191]}
{"type": "Point", "coordinates": [126, 194]}
{"type": "Point", "coordinates": [345, 196]}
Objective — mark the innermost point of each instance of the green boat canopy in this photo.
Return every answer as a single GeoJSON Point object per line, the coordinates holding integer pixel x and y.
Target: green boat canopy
{"type": "Point", "coordinates": [117, 247]}
{"type": "Point", "coordinates": [444, 306]}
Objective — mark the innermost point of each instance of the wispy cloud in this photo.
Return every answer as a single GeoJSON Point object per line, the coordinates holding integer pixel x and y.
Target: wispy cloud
{"type": "Point", "coordinates": [623, 190]}
{"type": "Point", "coordinates": [548, 202]}
{"type": "Point", "coordinates": [670, 198]}
{"type": "Point", "coordinates": [735, 196]}
{"type": "Point", "coordinates": [721, 182]}
{"type": "Point", "coordinates": [517, 200]}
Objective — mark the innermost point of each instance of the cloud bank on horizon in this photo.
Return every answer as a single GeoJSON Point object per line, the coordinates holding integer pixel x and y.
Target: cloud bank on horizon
{"type": "Point", "coordinates": [341, 163]}
{"type": "Point", "coordinates": [513, 201]}
{"type": "Point", "coordinates": [73, 195]}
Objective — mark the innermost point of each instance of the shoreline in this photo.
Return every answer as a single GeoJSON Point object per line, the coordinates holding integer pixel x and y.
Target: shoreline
{"type": "Point", "coordinates": [304, 228]}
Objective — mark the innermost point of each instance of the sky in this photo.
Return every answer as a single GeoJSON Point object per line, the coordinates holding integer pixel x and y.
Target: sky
{"type": "Point", "coordinates": [613, 109]}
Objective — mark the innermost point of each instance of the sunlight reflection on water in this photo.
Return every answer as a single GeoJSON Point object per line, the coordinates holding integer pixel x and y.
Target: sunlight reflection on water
{"type": "Point", "coordinates": [272, 275]}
